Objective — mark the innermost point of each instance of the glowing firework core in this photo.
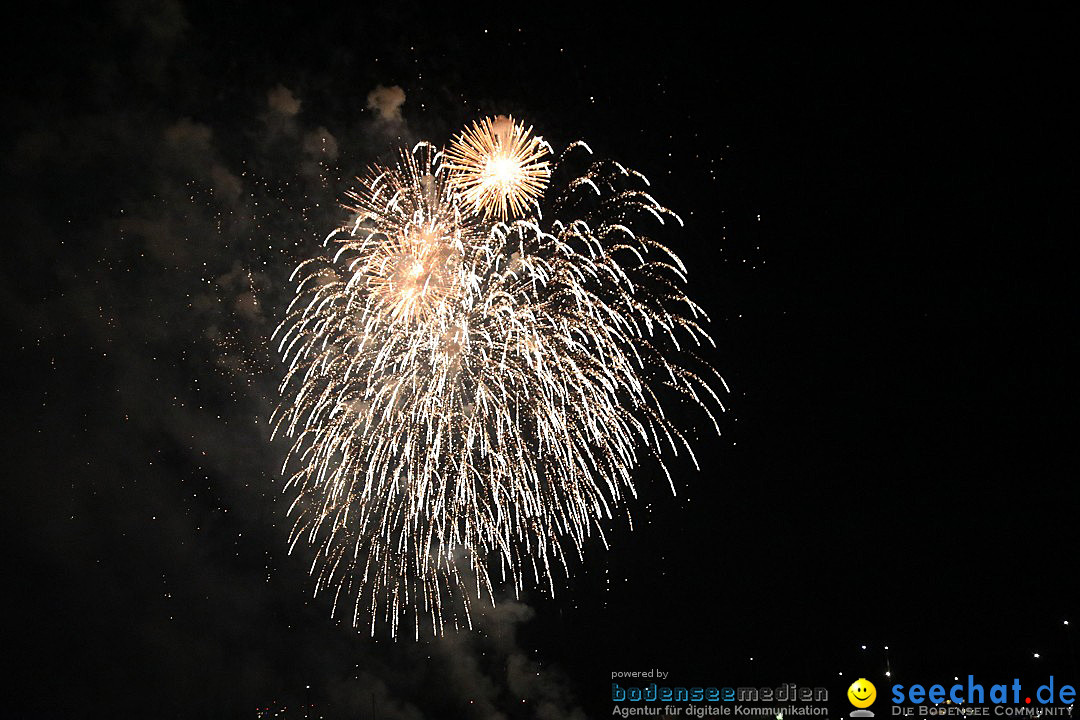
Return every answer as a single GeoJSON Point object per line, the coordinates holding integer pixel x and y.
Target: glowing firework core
{"type": "Point", "coordinates": [499, 167]}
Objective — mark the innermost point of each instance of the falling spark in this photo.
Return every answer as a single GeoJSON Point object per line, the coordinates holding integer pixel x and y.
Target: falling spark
{"type": "Point", "coordinates": [467, 400]}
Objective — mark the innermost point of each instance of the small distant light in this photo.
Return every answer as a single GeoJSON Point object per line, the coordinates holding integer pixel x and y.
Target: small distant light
{"type": "Point", "coordinates": [955, 678]}
{"type": "Point", "coordinates": [1036, 656]}
{"type": "Point", "coordinates": [886, 647]}
{"type": "Point", "coordinates": [888, 674]}
{"type": "Point", "coordinates": [863, 647]}
{"type": "Point", "coordinates": [1066, 622]}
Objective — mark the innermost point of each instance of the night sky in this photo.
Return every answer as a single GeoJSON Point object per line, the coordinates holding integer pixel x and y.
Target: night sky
{"type": "Point", "coordinates": [880, 220]}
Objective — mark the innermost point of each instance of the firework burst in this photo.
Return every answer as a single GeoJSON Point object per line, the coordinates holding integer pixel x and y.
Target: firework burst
{"type": "Point", "coordinates": [499, 167]}
{"type": "Point", "coordinates": [468, 400]}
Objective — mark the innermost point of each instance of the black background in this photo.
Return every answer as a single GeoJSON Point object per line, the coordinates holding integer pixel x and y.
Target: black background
{"type": "Point", "coordinates": [879, 213]}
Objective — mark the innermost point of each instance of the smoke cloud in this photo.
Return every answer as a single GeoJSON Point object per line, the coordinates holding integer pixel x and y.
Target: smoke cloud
{"type": "Point", "coordinates": [147, 298]}
{"type": "Point", "coordinates": [387, 102]}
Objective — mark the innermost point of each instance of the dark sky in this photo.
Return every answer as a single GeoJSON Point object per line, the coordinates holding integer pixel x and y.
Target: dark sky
{"type": "Point", "coordinates": [880, 220]}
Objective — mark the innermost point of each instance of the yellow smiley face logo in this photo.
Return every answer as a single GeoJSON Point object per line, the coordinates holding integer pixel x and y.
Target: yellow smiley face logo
{"type": "Point", "coordinates": [862, 693]}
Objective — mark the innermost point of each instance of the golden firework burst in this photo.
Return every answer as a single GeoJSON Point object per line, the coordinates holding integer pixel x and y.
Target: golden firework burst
{"type": "Point", "coordinates": [467, 399]}
{"type": "Point", "coordinates": [498, 166]}
{"type": "Point", "coordinates": [407, 238]}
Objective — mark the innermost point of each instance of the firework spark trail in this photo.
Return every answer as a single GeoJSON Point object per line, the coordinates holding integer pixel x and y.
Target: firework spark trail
{"type": "Point", "coordinates": [467, 396]}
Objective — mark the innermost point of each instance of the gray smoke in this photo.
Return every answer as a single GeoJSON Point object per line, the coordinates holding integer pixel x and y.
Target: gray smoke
{"type": "Point", "coordinates": [163, 241]}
